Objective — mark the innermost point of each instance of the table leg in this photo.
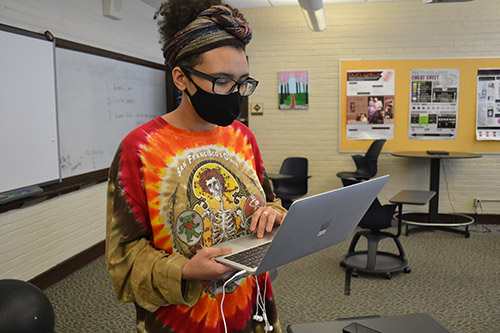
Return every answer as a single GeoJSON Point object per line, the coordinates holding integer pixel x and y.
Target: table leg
{"type": "Point", "coordinates": [434, 186]}
{"type": "Point", "coordinates": [347, 285]}
{"type": "Point", "coordinates": [400, 220]}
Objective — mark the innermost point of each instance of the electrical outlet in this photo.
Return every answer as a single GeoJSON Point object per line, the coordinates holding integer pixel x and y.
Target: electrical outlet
{"type": "Point", "coordinates": [478, 201]}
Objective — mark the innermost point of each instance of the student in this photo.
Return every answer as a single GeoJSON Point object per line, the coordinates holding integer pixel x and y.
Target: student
{"type": "Point", "coordinates": [371, 110]}
{"type": "Point", "coordinates": [190, 179]}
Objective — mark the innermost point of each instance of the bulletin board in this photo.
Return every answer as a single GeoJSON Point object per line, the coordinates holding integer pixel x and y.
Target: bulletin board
{"type": "Point", "coordinates": [466, 135]}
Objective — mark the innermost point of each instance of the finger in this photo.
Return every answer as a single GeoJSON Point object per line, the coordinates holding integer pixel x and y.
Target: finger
{"type": "Point", "coordinates": [271, 218]}
{"type": "Point", "coordinates": [264, 218]}
{"type": "Point", "coordinates": [255, 218]}
{"type": "Point", "coordinates": [279, 218]}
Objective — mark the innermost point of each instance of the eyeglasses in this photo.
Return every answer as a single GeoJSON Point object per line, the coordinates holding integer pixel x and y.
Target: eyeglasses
{"type": "Point", "coordinates": [222, 85]}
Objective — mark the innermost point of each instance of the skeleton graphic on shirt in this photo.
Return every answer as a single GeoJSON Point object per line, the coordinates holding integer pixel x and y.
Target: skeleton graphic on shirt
{"type": "Point", "coordinates": [224, 215]}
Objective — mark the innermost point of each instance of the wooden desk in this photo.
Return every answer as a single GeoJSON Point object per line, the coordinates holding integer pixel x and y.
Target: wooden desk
{"type": "Point", "coordinates": [435, 165]}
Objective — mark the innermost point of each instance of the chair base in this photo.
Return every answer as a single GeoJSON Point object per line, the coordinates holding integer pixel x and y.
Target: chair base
{"type": "Point", "coordinates": [386, 263]}
{"type": "Point", "coordinates": [373, 261]}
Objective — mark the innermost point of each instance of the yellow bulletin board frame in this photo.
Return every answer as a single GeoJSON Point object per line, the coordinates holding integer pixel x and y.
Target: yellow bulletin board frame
{"type": "Point", "coordinates": [466, 124]}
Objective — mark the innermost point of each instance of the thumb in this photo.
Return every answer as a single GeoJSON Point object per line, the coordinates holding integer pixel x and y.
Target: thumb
{"type": "Point", "coordinates": [218, 251]}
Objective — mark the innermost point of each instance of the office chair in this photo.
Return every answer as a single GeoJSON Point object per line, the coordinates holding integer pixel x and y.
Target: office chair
{"type": "Point", "coordinates": [24, 308]}
{"type": "Point", "coordinates": [295, 186]}
{"type": "Point", "coordinates": [366, 166]}
{"type": "Point", "coordinates": [372, 260]}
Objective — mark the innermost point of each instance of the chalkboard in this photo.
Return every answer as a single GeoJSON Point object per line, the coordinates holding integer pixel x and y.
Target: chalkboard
{"type": "Point", "coordinates": [28, 125]}
{"type": "Point", "coordinates": [99, 101]}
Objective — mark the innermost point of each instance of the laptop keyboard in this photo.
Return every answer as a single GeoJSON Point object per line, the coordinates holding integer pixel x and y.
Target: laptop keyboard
{"type": "Point", "coordinates": [251, 257]}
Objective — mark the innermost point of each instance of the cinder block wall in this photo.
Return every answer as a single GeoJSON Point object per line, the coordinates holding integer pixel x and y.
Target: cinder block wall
{"type": "Point", "coordinates": [37, 238]}
{"type": "Point", "coordinates": [367, 30]}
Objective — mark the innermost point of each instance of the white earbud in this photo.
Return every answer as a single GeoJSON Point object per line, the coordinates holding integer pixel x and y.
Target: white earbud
{"type": "Point", "coordinates": [258, 318]}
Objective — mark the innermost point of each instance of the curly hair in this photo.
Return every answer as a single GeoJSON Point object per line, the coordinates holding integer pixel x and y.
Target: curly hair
{"type": "Point", "coordinates": [209, 174]}
{"type": "Point", "coordinates": [177, 14]}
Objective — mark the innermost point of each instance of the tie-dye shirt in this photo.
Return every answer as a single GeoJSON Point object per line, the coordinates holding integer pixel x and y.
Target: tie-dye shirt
{"type": "Point", "coordinates": [172, 192]}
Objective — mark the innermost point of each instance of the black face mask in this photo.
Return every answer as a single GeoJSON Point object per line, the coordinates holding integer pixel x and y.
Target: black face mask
{"type": "Point", "coordinates": [221, 110]}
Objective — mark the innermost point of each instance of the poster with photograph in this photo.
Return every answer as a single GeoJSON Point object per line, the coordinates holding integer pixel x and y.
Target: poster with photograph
{"type": "Point", "coordinates": [370, 104]}
{"type": "Point", "coordinates": [293, 90]}
{"type": "Point", "coordinates": [433, 104]}
{"type": "Point", "coordinates": [488, 104]}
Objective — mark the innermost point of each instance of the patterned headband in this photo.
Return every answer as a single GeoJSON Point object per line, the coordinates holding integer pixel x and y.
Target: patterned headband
{"type": "Point", "coordinates": [214, 27]}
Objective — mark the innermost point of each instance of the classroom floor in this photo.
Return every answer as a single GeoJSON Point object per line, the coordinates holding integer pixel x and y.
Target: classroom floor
{"type": "Point", "coordinates": [453, 279]}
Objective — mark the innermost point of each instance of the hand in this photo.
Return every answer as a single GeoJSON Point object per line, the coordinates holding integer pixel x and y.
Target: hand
{"type": "Point", "coordinates": [264, 219]}
{"type": "Point", "coordinates": [203, 266]}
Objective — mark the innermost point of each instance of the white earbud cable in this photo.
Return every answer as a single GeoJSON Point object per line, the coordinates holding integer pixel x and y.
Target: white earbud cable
{"type": "Point", "coordinates": [261, 304]}
{"type": "Point", "coordinates": [224, 295]}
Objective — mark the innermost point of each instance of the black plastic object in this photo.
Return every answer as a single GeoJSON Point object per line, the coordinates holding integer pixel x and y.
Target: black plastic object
{"type": "Point", "coordinates": [24, 308]}
{"type": "Point", "coordinates": [366, 165]}
{"type": "Point", "coordinates": [437, 152]}
{"type": "Point", "coordinates": [294, 187]}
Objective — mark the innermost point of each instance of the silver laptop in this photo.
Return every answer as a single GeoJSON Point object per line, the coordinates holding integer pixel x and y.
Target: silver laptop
{"type": "Point", "coordinates": [312, 224]}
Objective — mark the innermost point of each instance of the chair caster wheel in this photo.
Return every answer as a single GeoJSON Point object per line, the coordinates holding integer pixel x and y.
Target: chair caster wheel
{"type": "Point", "coordinates": [388, 276]}
{"type": "Point", "coordinates": [355, 274]}
{"type": "Point", "coordinates": [342, 264]}
{"type": "Point", "coordinates": [407, 270]}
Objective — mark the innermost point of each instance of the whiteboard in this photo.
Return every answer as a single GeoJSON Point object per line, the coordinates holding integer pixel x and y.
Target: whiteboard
{"type": "Point", "coordinates": [28, 124]}
{"type": "Point", "coordinates": [99, 101]}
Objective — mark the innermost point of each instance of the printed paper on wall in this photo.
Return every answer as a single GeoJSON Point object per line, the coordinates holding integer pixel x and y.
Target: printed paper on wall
{"type": "Point", "coordinates": [370, 104]}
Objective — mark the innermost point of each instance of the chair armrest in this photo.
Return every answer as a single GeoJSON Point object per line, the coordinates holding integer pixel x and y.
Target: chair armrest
{"type": "Point", "coordinates": [359, 160]}
{"type": "Point", "coordinates": [362, 166]}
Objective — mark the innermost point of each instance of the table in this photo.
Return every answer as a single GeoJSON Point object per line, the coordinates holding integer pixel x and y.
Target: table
{"type": "Point", "coordinates": [410, 323]}
{"type": "Point", "coordinates": [273, 175]}
{"type": "Point", "coordinates": [434, 218]}
{"type": "Point", "coordinates": [410, 197]}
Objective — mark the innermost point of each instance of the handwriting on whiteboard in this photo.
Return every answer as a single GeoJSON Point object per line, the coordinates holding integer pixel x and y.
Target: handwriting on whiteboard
{"type": "Point", "coordinates": [139, 118]}
{"type": "Point", "coordinates": [69, 165]}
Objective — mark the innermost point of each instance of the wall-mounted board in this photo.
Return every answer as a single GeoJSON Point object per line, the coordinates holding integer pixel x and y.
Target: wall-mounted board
{"type": "Point", "coordinates": [28, 125]}
{"type": "Point", "coordinates": [99, 101]}
{"type": "Point", "coordinates": [65, 107]}
{"type": "Point", "coordinates": [466, 136]}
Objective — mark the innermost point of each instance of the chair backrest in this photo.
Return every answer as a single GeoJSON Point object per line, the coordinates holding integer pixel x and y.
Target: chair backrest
{"type": "Point", "coordinates": [295, 166]}
{"type": "Point", "coordinates": [372, 154]}
{"type": "Point", "coordinates": [378, 216]}
{"type": "Point", "coordinates": [298, 168]}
